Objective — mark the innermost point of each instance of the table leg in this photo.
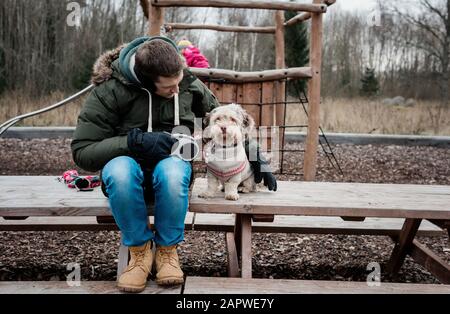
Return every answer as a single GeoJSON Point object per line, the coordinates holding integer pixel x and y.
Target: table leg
{"type": "Point", "coordinates": [246, 246]}
{"type": "Point", "coordinates": [232, 257]}
{"type": "Point", "coordinates": [403, 245]}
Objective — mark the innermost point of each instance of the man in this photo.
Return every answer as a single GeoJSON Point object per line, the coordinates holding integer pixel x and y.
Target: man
{"type": "Point", "coordinates": [143, 91]}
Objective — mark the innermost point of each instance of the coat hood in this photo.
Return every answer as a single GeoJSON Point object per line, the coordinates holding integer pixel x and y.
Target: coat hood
{"type": "Point", "coordinates": [104, 69]}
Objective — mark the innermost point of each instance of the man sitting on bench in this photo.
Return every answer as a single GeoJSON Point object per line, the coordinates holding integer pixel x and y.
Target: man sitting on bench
{"type": "Point", "coordinates": [142, 86]}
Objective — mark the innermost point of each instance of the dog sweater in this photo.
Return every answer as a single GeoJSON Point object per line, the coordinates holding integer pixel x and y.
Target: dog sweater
{"type": "Point", "coordinates": [225, 162]}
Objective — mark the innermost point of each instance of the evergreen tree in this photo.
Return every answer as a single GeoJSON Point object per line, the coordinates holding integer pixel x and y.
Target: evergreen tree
{"type": "Point", "coordinates": [370, 86]}
{"type": "Point", "coordinates": [296, 50]}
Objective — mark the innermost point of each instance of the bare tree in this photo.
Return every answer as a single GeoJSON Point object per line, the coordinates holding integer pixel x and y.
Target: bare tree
{"type": "Point", "coordinates": [432, 24]}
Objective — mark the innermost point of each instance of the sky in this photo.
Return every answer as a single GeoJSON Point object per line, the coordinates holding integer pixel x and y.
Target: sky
{"type": "Point", "coordinates": [355, 5]}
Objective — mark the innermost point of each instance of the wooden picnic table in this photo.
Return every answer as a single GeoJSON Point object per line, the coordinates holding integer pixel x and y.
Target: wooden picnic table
{"type": "Point", "coordinates": [352, 200]}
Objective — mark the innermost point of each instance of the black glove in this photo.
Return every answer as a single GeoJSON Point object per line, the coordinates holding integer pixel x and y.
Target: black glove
{"type": "Point", "coordinates": [260, 166]}
{"type": "Point", "coordinates": [150, 147]}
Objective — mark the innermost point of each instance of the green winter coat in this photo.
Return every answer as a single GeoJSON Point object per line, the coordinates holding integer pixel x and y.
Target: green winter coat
{"type": "Point", "coordinates": [118, 104]}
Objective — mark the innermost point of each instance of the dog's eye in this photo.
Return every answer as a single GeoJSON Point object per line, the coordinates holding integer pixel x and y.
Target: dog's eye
{"type": "Point", "coordinates": [233, 120]}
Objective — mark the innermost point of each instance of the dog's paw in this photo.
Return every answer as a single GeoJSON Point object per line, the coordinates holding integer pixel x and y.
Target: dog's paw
{"type": "Point", "coordinates": [232, 197]}
{"type": "Point", "coordinates": [205, 195]}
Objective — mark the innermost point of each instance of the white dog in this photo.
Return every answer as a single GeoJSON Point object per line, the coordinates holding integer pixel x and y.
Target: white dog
{"type": "Point", "coordinates": [226, 161]}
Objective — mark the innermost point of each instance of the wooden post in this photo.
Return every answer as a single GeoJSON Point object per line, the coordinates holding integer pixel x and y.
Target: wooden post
{"type": "Point", "coordinates": [156, 20]}
{"type": "Point", "coordinates": [403, 245]}
{"type": "Point", "coordinates": [312, 137]}
{"type": "Point", "coordinates": [279, 64]}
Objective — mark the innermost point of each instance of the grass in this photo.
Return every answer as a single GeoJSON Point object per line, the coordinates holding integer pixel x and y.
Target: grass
{"type": "Point", "coordinates": [14, 103]}
{"type": "Point", "coordinates": [355, 115]}
{"type": "Point", "coordinates": [359, 115]}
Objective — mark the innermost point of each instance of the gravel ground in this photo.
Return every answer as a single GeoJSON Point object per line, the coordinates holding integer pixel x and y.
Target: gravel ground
{"type": "Point", "coordinates": [45, 255]}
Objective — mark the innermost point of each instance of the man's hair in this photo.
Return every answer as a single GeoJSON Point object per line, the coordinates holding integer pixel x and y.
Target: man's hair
{"type": "Point", "coordinates": [157, 58]}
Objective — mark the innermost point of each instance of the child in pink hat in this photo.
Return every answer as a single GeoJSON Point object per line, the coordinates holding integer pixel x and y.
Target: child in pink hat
{"type": "Point", "coordinates": [193, 56]}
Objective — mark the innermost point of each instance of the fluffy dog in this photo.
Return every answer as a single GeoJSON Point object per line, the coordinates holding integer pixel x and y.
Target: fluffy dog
{"type": "Point", "coordinates": [226, 161]}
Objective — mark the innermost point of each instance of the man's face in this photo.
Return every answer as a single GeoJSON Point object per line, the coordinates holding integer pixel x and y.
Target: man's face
{"type": "Point", "coordinates": [167, 87]}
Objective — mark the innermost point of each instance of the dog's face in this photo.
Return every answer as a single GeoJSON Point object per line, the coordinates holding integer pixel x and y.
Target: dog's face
{"type": "Point", "coordinates": [229, 124]}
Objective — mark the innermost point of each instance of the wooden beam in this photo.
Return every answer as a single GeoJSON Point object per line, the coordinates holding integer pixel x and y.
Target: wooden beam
{"type": "Point", "coordinates": [220, 28]}
{"type": "Point", "coordinates": [156, 20]}
{"type": "Point", "coordinates": [280, 64]}
{"type": "Point", "coordinates": [433, 263]}
{"type": "Point", "coordinates": [232, 257]}
{"type": "Point", "coordinates": [246, 246]}
{"type": "Point", "coordinates": [243, 4]}
{"type": "Point", "coordinates": [144, 6]}
{"type": "Point", "coordinates": [312, 137]}
{"type": "Point", "coordinates": [403, 245]}
{"type": "Point", "coordinates": [261, 76]}
{"type": "Point", "coordinates": [298, 18]}
{"type": "Point", "coordinates": [305, 15]}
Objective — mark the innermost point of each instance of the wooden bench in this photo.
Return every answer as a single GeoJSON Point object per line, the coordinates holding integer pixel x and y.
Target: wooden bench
{"type": "Point", "coordinates": [216, 285]}
{"type": "Point", "coordinates": [354, 200]}
{"type": "Point", "coordinates": [50, 205]}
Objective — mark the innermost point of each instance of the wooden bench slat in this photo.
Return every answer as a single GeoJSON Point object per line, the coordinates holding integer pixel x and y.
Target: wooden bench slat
{"type": "Point", "coordinates": [86, 287]}
{"type": "Point", "coordinates": [314, 225]}
{"type": "Point", "coordinates": [219, 285]}
{"type": "Point", "coordinates": [81, 223]}
{"type": "Point", "coordinates": [333, 199]}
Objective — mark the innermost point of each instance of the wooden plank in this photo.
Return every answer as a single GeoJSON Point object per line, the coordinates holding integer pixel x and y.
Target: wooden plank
{"type": "Point", "coordinates": [216, 89]}
{"type": "Point", "coordinates": [280, 86]}
{"type": "Point", "coordinates": [221, 28]}
{"type": "Point", "coordinates": [217, 285]}
{"type": "Point", "coordinates": [403, 245]}
{"type": "Point", "coordinates": [341, 199]}
{"type": "Point", "coordinates": [246, 246]}
{"type": "Point", "coordinates": [86, 287]}
{"type": "Point", "coordinates": [243, 4]}
{"type": "Point", "coordinates": [315, 225]}
{"type": "Point", "coordinates": [251, 99]}
{"type": "Point", "coordinates": [232, 257]}
{"type": "Point", "coordinates": [80, 223]}
{"type": "Point", "coordinates": [433, 263]}
{"type": "Point", "coordinates": [252, 77]}
{"type": "Point", "coordinates": [238, 235]}
{"type": "Point", "coordinates": [312, 137]}
{"type": "Point", "coordinates": [229, 91]}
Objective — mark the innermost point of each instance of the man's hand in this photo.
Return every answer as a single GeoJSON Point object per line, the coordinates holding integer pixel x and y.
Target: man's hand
{"type": "Point", "coordinates": [150, 146]}
{"type": "Point", "coordinates": [260, 166]}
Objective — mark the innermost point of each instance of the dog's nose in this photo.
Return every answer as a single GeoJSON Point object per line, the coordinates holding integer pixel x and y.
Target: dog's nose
{"type": "Point", "coordinates": [224, 129]}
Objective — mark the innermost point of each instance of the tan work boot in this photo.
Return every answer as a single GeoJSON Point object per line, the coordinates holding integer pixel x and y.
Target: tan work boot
{"type": "Point", "coordinates": [134, 277]}
{"type": "Point", "coordinates": [168, 271]}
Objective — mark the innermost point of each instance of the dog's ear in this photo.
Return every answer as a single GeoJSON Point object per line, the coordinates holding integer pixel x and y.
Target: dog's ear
{"type": "Point", "coordinates": [248, 124]}
{"type": "Point", "coordinates": [206, 119]}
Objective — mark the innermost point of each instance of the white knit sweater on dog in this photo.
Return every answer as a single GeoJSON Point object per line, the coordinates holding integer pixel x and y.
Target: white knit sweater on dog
{"type": "Point", "coordinates": [224, 162]}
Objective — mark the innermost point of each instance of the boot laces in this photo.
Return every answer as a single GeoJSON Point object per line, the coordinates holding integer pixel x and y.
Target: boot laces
{"type": "Point", "coordinates": [168, 256]}
{"type": "Point", "coordinates": [138, 260]}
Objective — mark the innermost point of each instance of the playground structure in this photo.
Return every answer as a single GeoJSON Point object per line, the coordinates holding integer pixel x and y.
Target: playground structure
{"type": "Point", "coordinates": [262, 94]}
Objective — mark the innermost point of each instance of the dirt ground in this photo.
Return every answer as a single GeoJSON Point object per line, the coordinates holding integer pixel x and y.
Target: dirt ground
{"type": "Point", "coordinates": [45, 255]}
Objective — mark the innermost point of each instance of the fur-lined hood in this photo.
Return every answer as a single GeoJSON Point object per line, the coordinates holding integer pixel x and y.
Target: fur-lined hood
{"type": "Point", "coordinates": [102, 70]}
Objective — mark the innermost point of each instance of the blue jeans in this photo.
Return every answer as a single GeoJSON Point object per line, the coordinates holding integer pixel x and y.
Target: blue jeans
{"type": "Point", "coordinates": [124, 181]}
